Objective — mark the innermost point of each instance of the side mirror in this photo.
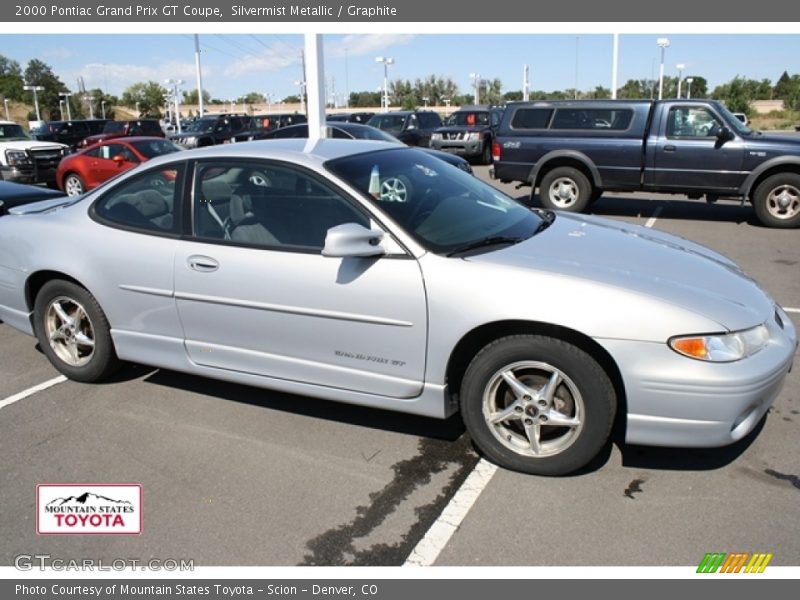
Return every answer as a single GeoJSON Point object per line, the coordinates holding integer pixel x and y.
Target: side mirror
{"type": "Point", "coordinates": [119, 159]}
{"type": "Point", "coordinates": [724, 134]}
{"type": "Point", "coordinates": [411, 127]}
{"type": "Point", "coordinates": [353, 240]}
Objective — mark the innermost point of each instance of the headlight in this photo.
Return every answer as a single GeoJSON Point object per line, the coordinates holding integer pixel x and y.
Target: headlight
{"type": "Point", "coordinates": [722, 347]}
{"type": "Point", "coordinates": [16, 157]}
{"type": "Point", "coordinates": [472, 136]}
{"type": "Point", "coordinates": [436, 136]}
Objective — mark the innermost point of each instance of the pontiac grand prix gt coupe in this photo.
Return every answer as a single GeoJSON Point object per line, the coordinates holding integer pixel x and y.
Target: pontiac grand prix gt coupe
{"type": "Point", "coordinates": [367, 273]}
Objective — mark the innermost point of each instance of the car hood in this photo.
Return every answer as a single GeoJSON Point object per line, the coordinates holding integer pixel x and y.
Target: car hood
{"type": "Point", "coordinates": [773, 142]}
{"type": "Point", "coordinates": [644, 261]}
{"type": "Point", "coordinates": [33, 144]}
{"type": "Point", "coordinates": [460, 128]}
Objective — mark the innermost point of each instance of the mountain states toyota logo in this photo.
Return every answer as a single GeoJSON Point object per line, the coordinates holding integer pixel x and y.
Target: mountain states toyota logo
{"type": "Point", "coordinates": [88, 508]}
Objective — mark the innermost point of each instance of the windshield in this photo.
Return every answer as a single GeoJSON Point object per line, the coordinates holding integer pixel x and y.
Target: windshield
{"type": "Point", "coordinates": [734, 122]}
{"type": "Point", "coordinates": [202, 126]}
{"type": "Point", "coordinates": [441, 206]}
{"type": "Point", "coordinates": [468, 119]}
{"type": "Point", "coordinates": [391, 123]}
{"type": "Point", "coordinates": [114, 127]}
{"type": "Point", "coordinates": [370, 133]}
{"type": "Point", "coordinates": [153, 148]}
{"type": "Point", "coordinates": [12, 132]}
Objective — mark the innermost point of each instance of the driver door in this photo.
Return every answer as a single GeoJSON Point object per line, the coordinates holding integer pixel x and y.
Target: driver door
{"type": "Point", "coordinates": [255, 295]}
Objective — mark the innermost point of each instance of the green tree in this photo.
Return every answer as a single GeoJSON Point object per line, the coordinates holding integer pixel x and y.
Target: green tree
{"type": "Point", "coordinates": [190, 97]}
{"type": "Point", "coordinates": [364, 99]}
{"type": "Point", "coordinates": [150, 98]}
{"type": "Point", "coordinates": [40, 73]}
{"type": "Point", "coordinates": [251, 98]}
{"type": "Point", "coordinates": [293, 99]}
{"type": "Point", "coordinates": [11, 81]}
{"type": "Point", "coordinates": [514, 96]}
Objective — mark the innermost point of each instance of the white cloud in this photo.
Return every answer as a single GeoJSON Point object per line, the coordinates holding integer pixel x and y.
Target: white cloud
{"type": "Point", "coordinates": [58, 53]}
{"type": "Point", "coordinates": [359, 45]}
{"type": "Point", "coordinates": [116, 78]}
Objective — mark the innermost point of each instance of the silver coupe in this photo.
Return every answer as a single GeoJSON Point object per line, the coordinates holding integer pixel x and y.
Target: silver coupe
{"type": "Point", "coordinates": [362, 272]}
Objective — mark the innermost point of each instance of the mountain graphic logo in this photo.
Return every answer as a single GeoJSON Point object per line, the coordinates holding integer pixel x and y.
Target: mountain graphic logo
{"type": "Point", "coordinates": [86, 499]}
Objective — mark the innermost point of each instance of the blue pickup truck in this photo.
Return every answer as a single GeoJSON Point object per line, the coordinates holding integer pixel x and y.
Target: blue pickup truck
{"type": "Point", "coordinates": [573, 151]}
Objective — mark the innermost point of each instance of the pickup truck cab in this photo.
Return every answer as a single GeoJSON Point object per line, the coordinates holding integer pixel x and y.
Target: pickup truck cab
{"type": "Point", "coordinates": [573, 151]}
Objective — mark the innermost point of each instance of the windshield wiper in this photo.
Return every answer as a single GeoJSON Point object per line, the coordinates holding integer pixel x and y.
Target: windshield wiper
{"type": "Point", "coordinates": [492, 240]}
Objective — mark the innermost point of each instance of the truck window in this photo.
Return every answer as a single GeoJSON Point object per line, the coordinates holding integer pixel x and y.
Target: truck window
{"type": "Point", "coordinates": [583, 118]}
{"type": "Point", "coordinates": [531, 118]}
{"type": "Point", "coordinates": [691, 121]}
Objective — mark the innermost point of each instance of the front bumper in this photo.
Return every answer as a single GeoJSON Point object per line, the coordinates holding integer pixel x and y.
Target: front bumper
{"type": "Point", "coordinates": [27, 174]}
{"type": "Point", "coordinates": [677, 401]}
{"type": "Point", "coordinates": [460, 148]}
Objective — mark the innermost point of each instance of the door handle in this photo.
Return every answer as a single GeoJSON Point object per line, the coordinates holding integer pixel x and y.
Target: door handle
{"type": "Point", "coordinates": [669, 148]}
{"type": "Point", "coordinates": [202, 264]}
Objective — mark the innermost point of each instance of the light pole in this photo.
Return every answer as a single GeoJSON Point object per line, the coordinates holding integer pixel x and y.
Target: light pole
{"type": "Point", "coordinates": [35, 89]}
{"type": "Point", "coordinates": [476, 84]}
{"type": "Point", "coordinates": [302, 85]}
{"type": "Point", "coordinates": [103, 106]}
{"type": "Point", "coordinates": [268, 99]}
{"type": "Point", "coordinates": [90, 99]}
{"type": "Point", "coordinates": [446, 106]}
{"type": "Point", "coordinates": [663, 43]}
{"type": "Point", "coordinates": [176, 96]}
{"type": "Point", "coordinates": [66, 96]}
{"type": "Point", "coordinates": [138, 112]}
{"type": "Point", "coordinates": [680, 68]}
{"type": "Point", "coordinates": [426, 99]}
{"type": "Point", "coordinates": [689, 81]}
{"type": "Point", "coordinates": [5, 103]}
{"type": "Point", "coordinates": [61, 108]}
{"type": "Point", "coordinates": [386, 62]}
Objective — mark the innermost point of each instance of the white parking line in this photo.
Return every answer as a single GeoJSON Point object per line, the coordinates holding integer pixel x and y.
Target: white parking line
{"type": "Point", "coordinates": [32, 390]}
{"type": "Point", "coordinates": [652, 220]}
{"type": "Point", "coordinates": [434, 541]}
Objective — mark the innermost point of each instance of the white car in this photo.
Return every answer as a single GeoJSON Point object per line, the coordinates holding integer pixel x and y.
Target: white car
{"type": "Point", "coordinates": [25, 160]}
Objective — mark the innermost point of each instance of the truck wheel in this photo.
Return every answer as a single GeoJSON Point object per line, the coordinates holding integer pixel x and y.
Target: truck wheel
{"type": "Point", "coordinates": [537, 404]}
{"type": "Point", "coordinates": [486, 155]}
{"type": "Point", "coordinates": [565, 188]}
{"type": "Point", "coordinates": [777, 201]}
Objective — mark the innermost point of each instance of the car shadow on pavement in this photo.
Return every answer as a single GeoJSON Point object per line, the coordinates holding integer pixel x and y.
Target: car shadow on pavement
{"type": "Point", "coordinates": [449, 429]}
{"type": "Point", "coordinates": [686, 459]}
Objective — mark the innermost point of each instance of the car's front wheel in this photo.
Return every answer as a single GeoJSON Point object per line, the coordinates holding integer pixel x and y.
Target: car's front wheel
{"type": "Point", "coordinates": [73, 185]}
{"type": "Point", "coordinates": [537, 404]}
{"type": "Point", "coordinates": [73, 332]}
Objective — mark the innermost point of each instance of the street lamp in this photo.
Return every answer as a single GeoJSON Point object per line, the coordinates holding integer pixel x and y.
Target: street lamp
{"type": "Point", "coordinates": [61, 108]}
{"type": "Point", "coordinates": [66, 96]}
{"type": "Point", "coordinates": [5, 103]}
{"type": "Point", "coordinates": [269, 103]}
{"type": "Point", "coordinates": [302, 85]}
{"type": "Point", "coordinates": [476, 83]}
{"type": "Point", "coordinates": [386, 62]}
{"type": "Point", "coordinates": [663, 43]}
{"type": "Point", "coordinates": [680, 68]}
{"type": "Point", "coordinates": [138, 112]}
{"type": "Point", "coordinates": [426, 99]}
{"type": "Point", "coordinates": [689, 81]}
{"type": "Point", "coordinates": [90, 99]}
{"type": "Point", "coordinates": [446, 106]}
{"type": "Point", "coordinates": [35, 89]}
{"type": "Point", "coordinates": [176, 96]}
{"type": "Point", "coordinates": [103, 106]}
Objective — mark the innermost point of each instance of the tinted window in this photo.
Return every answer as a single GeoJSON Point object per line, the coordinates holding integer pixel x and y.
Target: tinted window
{"type": "Point", "coordinates": [583, 118]}
{"type": "Point", "coordinates": [114, 127]}
{"type": "Point", "coordinates": [153, 148]}
{"type": "Point", "coordinates": [145, 202]}
{"type": "Point", "coordinates": [531, 118]}
{"type": "Point", "coordinates": [267, 205]}
{"type": "Point", "coordinates": [149, 128]}
{"type": "Point", "coordinates": [468, 119]}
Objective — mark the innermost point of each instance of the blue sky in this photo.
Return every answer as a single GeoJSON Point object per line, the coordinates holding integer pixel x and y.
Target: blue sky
{"type": "Point", "coordinates": [236, 63]}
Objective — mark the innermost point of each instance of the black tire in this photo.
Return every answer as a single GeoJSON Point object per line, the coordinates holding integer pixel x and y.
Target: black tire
{"type": "Point", "coordinates": [64, 340]}
{"type": "Point", "coordinates": [777, 201]}
{"type": "Point", "coordinates": [565, 188]}
{"type": "Point", "coordinates": [596, 194]}
{"type": "Point", "coordinates": [74, 185]}
{"type": "Point", "coordinates": [486, 155]}
{"type": "Point", "coordinates": [583, 398]}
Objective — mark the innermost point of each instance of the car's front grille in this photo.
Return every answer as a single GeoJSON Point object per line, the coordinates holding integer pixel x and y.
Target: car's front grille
{"type": "Point", "coordinates": [454, 136]}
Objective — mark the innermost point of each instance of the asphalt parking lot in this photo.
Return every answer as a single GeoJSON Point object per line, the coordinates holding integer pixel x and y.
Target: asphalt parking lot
{"type": "Point", "coordinates": [238, 476]}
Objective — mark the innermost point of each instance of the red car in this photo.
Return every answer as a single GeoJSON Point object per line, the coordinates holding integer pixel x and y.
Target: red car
{"type": "Point", "coordinates": [80, 172]}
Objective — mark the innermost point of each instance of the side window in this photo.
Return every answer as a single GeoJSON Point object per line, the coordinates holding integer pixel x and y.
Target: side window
{"type": "Point", "coordinates": [146, 202]}
{"type": "Point", "coordinates": [95, 152]}
{"type": "Point", "coordinates": [495, 119]}
{"type": "Point", "coordinates": [109, 151]}
{"type": "Point", "coordinates": [531, 118]}
{"type": "Point", "coordinates": [692, 121]}
{"type": "Point", "coordinates": [267, 206]}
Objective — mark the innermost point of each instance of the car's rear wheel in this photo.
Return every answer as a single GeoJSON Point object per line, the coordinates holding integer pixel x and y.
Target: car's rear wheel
{"type": "Point", "coordinates": [486, 155]}
{"type": "Point", "coordinates": [777, 201]}
{"type": "Point", "coordinates": [537, 404]}
{"type": "Point", "coordinates": [73, 185]}
{"type": "Point", "coordinates": [73, 331]}
{"type": "Point", "coordinates": [565, 188]}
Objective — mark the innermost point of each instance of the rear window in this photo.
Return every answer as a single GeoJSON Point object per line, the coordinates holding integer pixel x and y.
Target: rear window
{"type": "Point", "coordinates": [150, 128]}
{"type": "Point", "coordinates": [586, 118]}
{"type": "Point", "coordinates": [531, 118]}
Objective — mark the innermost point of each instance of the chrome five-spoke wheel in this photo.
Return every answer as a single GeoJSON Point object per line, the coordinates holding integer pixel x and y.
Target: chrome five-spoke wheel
{"type": "Point", "coordinates": [69, 331]}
